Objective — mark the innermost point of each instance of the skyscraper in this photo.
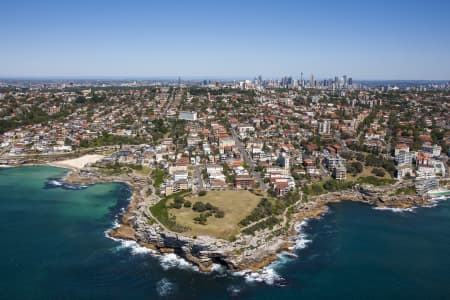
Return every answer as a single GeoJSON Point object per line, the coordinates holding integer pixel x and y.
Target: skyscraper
{"type": "Point", "coordinates": [336, 81]}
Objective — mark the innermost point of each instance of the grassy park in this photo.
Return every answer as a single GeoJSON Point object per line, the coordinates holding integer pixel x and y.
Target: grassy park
{"type": "Point", "coordinates": [236, 205]}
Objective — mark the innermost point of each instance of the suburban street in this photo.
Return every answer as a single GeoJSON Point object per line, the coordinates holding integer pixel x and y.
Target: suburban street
{"type": "Point", "coordinates": [248, 160]}
{"type": "Point", "coordinates": [198, 179]}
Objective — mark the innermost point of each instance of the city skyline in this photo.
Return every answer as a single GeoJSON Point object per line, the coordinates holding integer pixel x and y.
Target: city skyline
{"type": "Point", "coordinates": [405, 40]}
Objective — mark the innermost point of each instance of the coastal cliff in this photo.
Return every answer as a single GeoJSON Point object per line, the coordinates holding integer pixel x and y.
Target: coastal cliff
{"type": "Point", "coordinates": [246, 252]}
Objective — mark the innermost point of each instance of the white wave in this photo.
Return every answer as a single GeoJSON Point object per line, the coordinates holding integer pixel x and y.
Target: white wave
{"type": "Point", "coordinates": [168, 261]}
{"type": "Point", "coordinates": [284, 258]}
{"type": "Point", "coordinates": [438, 199]}
{"type": "Point", "coordinates": [133, 246]}
{"type": "Point", "coordinates": [55, 183]}
{"type": "Point", "coordinates": [116, 224]}
{"type": "Point", "coordinates": [267, 275]}
{"type": "Point", "coordinates": [433, 202]}
{"type": "Point", "coordinates": [171, 260]}
{"type": "Point", "coordinates": [234, 290]}
{"type": "Point", "coordinates": [301, 240]}
{"type": "Point", "coordinates": [218, 268]}
{"type": "Point", "coordinates": [164, 287]}
{"type": "Point", "coordinates": [395, 209]}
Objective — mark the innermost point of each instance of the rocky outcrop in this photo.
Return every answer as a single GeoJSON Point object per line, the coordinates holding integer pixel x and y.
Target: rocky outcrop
{"type": "Point", "coordinates": [204, 251]}
{"type": "Point", "coordinates": [246, 252]}
{"type": "Point", "coordinates": [377, 196]}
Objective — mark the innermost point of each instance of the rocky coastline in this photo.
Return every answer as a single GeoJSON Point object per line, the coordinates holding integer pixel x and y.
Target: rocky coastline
{"type": "Point", "coordinates": [246, 253]}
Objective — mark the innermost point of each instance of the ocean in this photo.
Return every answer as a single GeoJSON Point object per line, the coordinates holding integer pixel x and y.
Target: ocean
{"type": "Point", "coordinates": [54, 247]}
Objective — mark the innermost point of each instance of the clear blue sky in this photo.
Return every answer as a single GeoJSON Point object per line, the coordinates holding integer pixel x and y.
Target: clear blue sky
{"type": "Point", "coordinates": [378, 40]}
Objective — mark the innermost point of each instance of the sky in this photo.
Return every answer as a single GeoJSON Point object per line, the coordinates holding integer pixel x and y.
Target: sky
{"type": "Point", "coordinates": [366, 40]}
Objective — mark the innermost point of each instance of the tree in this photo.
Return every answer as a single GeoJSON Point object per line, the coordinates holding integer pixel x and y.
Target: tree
{"type": "Point", "coordinates": [317, 189]}
{"type": "Point", "coordinates": [178, 199]}
{"type": "Point", "coordinates": [177, 205]}
{"type": "Point", "coordinates": [360, 157]}
{"type": "Point", "coordinates": [209, 206]}
{"type": "Point", "coordinates": [378, 172]}
{"type": "Point", "coordinates": [201, 219]}
{"type": "Point", "coordinates": [199, 206]}
{"type": "Point", "coordinates": [329, 186]}
{"type": "Point", "coordinates": [355, 167]}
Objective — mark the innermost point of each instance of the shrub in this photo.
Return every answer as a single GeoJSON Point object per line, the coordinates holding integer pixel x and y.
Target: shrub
{"type": "Point", "coordinates": [187, 203]}
{"type": "Point", "coordinates": [264, 209]}
{"type": "Point", "coordinates": [355, 167]}
{"type": "Point", "coordinates": [317, 189]}
{"type": "Point", "coordinates": [333, 185]}
{"type": "Point", "coordinates": [201, 219]}
{"type": "Point", "coordinates": [176, 205]}
{"type": "Point", "coordinates": [374, 180]}
{"type": "Point", "coordinates": [202, 193]}
{"type": "Point", "coordinates": [178, 199]}
{"type": "Point", "coordinates": [268, 223]}
{"type": "Point", "coordinates": [209, 206]}
{"type": "Point", "coordinates": [378, 172]}
{"type": "Point", "coordinates": [199, 207]}
{"type": "Point", "coordinates": [360, 157]}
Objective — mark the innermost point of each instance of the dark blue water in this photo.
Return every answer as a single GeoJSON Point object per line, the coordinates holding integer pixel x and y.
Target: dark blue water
{"type": "Point", "coordinates": [54, 247]}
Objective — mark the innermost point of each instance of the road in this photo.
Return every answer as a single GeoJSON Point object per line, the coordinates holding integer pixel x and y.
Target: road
{"type": "Point", "coordinates": [198, 177]}
{"type": "Point", "coordinates": [169, 103]}
{"type": "Point", "coordinates": [324, 173]}
{"type": "Point", "coordinates": [248, 160]}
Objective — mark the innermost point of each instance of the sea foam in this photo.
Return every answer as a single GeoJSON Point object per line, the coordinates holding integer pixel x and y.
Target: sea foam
{"type": "Point", "coordinates": [59, 183]}
{"type": "Point", "coordinates": [55, 183]}
{"type": "Point", "coordinates": [134, 247]}
{"type": "Point", "coordinates": [395, 209]}
{"type": "Point", "coordinates": [171, 260]}
{"type": "Point", "coordinates": [435, 201]}
{"type": "Point", "coordinates": [164, 287]}
{"type": "Point", "coordinates": [301, 240]}
{"type": "Point", "coordinates": [234, 290]}
{"type": "Point", "coordinates": [267, 275]}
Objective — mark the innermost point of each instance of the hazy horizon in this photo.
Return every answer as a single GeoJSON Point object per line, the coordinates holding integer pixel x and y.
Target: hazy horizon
{"type": "Point", "coordinates": [208, 77]}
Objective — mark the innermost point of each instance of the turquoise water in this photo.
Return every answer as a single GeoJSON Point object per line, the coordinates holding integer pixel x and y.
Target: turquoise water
{"type": "Point", "coordinates": [54, 247]}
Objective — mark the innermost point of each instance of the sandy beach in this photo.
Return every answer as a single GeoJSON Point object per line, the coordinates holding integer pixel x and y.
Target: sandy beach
{"type": "Point", "coordinates": [78, 163]}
